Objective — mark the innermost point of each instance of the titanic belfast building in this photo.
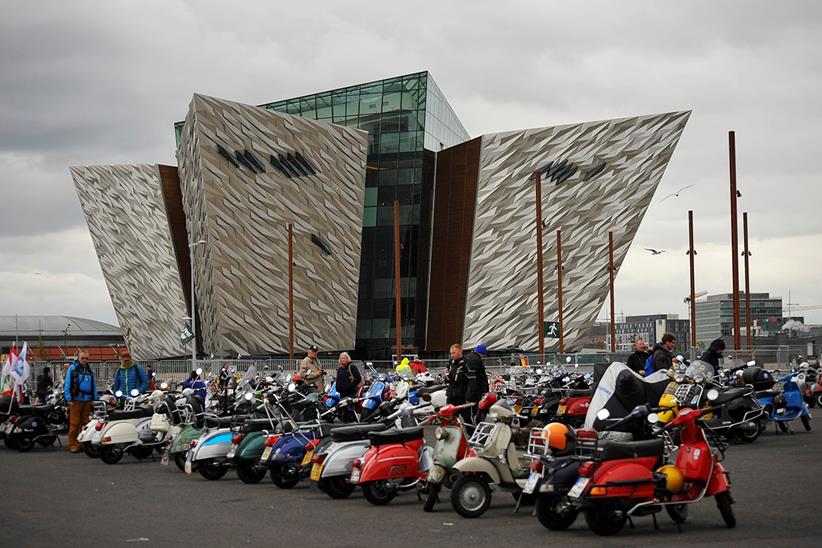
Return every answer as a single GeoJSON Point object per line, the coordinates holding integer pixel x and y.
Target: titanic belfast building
{"type": "Point", "coordinates": [331, 165]}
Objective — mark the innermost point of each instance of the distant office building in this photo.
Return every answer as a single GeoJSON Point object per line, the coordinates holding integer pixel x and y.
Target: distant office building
{"type": "Point", "coordinates": [651, 328]}
{"type": "Point", "coordinates": [715, 315]}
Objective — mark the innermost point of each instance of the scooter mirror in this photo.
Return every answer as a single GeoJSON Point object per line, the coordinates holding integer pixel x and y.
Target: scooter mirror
{"type": "Point", "coordinates": [568, 359]}
{"type": "Point", "coordinates": [653, 418]}
{"type": "Point", "coordinates": [679, 358]}
{"type": "Point", "coordinates": [713, 394]}
{"type": "Point", "coordinates": [539, 371]}
{"type": "Point", "coordinates": [164, 386]}
{"type": "Point", "coordinates": [292, 387]}
{"type": "Point", "coordinates": [119, 393]}
{"type": "Point", "coordinates": [269, 379]}
{"type": "Point", "coordinates": [576, 366]}
{"type": "Point", "coordinates": [199, 371]}
{"type": "Point", "coordinates": [566, 379]}
{"type": "Point", "coordinates": [135, 392]}
{"type": "Point", "coordinates": [248, 396]}
{"type": "Point", "coordinates": [188, 391]}
{"type": "Point", "coordinates": [603, 414]}
{"type": "Point", "coordinates": [751, 363]}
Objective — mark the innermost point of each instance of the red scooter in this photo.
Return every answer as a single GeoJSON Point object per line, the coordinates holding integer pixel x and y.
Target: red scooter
{"type": "Point", "coordinates": [397, 460]}
{"type": "Point", "coordinates": [573, 407]}
{"type": "Point", "coordinates": [622, 480]}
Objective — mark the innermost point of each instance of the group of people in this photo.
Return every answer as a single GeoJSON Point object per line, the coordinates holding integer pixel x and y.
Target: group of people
{"type": "Point", "coordinates": [646, 361]}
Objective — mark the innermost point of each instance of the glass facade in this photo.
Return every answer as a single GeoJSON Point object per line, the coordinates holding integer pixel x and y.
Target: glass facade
{"type": "Point", "coordinates": [408, 120]}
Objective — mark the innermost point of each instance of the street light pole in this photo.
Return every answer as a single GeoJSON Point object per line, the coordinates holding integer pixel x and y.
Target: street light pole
{"type": "Point", "coordinates": [540, 297]}
{"type": "Point", "coordinates": [191, 247]}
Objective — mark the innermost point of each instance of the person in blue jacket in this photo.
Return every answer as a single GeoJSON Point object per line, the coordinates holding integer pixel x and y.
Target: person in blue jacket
{"type": "Point", "coordinates": [195, 383]}
{"type": "Point", "coordinates": [129, 376]}
{"type": "Point", "coordinates": [80, 389]}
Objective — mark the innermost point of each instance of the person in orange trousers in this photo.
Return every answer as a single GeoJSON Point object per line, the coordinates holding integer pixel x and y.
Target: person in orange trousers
{"type": "Point", "coordinates": [80, 390]}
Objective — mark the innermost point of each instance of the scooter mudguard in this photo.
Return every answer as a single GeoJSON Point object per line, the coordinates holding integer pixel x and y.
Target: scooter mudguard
{"type": "Point", "coordinates": [182, 441]}
{"type": "Point", "coordinates": [478, 465]}
{"type": "Point", "coordinates": [393, 461]}
{"type": "Point", "coordinates": [623, 479]}
{"type": "Point", "coordinates": [252, 447]}
{"type": "Point", "coordinates": [578, 406]}
{"type": "Point", "coordinates": [341, 456]}
{"type": "Point", "coordinates": [720, 481]}
{"type": "Point", "coordinates": [214, 445]}
{"type": "Point", "coordinates": [119, 432]}
{"type": "Point", "coordinates": [87, 431]}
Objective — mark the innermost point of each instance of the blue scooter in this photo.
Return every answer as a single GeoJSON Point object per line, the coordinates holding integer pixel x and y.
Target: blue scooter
{"type": "Point", "coordinates": [785, 405]}
{"type": "Point", "coordinates": [375, 395]}
{"type": "Point", "coordinates": [284, 453]}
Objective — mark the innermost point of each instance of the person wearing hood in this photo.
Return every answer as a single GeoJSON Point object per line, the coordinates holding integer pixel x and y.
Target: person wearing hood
{"type": "Point", "coordinates": [714, 353]}
{"type": "Point", "coordinates": [129, 376]}
{"type": "Point", "coordinates": [663, 359]}
{"type": "Point", "coordinates": [477, 379]}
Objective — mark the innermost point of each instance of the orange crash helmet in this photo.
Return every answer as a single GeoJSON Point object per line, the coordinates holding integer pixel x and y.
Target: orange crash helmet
{"type": "Point", "coordinates": [558, 436]}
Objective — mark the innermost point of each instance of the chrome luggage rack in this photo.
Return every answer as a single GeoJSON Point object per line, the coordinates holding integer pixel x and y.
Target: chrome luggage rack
{"type": "Point", "coordinates": [483, 434]}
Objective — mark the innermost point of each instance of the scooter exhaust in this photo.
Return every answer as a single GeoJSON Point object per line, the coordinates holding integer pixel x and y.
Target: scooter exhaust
{"type": "Point", "coordinates": [749, 426]}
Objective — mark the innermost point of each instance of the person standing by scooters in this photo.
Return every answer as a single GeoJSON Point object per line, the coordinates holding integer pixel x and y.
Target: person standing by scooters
{"type": "Point", "coordinates": [636, 361]}
{"type": "Point", "coordinates": [311, 371]}
{"type": "Point", "coordinates": [79, 389]}
{"type": "Point", "coordinates": [197, 385]}
{"type": "Point", "coordinates": [349, 381]}
{"type": "Point", "coordinates": [477, 379]}
{"type": "Point", "coordinates": [44, 385]}
{"type": "Point", "coordinates": [129, 376]}
{"type": "Point", "coordinates": [457, 382]}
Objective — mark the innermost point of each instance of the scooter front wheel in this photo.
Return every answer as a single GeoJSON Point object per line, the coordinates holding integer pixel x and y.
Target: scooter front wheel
{"type": "Point", "coordinates": [604, 520]}
{"type": "Point", "coordinates": [433, 495]}
{"type": "Point", "coordinates": [471, 496]}
{"type": "Point", "coordinates": [806, 422]}
{"type": "Point", "coordinates": [724, 502]}
{"type": "Point", "coordinates": [379, 493]}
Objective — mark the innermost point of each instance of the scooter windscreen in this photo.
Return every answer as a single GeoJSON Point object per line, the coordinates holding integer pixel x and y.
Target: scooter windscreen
{"type": "Point", "coordinates": [620, 390]}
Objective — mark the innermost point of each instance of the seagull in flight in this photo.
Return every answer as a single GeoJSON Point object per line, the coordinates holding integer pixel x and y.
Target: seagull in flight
{"type": "Point", "coordinates": [675, 193]}
{"type": "Point", "coordinates": [654, 251]}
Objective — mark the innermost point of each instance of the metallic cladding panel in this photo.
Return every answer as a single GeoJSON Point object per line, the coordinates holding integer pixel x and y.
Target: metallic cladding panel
{"type": "Point", "coordinates": [241, 278]}
{"type": "Point", "coordinates": [502, 297]}
{"type": "Point", "coordinates": [127, 219]}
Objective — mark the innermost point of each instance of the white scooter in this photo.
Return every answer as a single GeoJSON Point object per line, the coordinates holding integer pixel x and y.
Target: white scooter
{"type": "Point", "coordinates": [141, 431]}
{"type": "Point", "coordinates": [100, 411]}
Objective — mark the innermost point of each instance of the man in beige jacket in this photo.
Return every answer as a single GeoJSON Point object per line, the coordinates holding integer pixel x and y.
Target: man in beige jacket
{"type": "Point", "coordinates": [311, 371]}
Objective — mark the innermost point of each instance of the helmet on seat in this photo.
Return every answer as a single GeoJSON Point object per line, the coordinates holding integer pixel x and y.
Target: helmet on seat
{"type": "Point", "coordinates": [557, 436]}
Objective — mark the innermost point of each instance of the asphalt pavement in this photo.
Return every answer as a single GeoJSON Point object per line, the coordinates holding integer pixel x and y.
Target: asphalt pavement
{"type": "Point", "coordinates": [49, 497]}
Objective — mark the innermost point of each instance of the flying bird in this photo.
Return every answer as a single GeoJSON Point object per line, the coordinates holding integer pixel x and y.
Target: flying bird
{"type": "Point", "coordinates": [738, 194]}
{"type": "Point", "coordinates": [654, 251]}
{"type": "Point", "coordinates": [675, 193]}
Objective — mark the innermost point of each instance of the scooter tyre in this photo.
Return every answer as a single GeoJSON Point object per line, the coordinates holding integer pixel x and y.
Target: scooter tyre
{"type": "Point", "coordinates": [283, 480]}
{"type": "Point", "coordinates": [336, 487]}
{"type": "Point", "coordinates": [605, 521]}
{"type": "Point", "coordinates": [249, 474]}
{"type": "Point", "coordinates": [746, 436]}
{"type": "Point", "coordinates": [432, 497]}
{"type": "Point", "coordinates": [806, 422]}
{"type": "Point", "coordinates": [111, 454]}
{"type": "Point", "coordinates": [550, 518]}
{"type": "Point", "coordinates": [377, 492]}
{"type": "Point", "coordinates": [210, 469]}
{"type": "Point", "coordinates": [724, 502]}
{"type": "Point", "coordinates": [180, 461]}
{"type": "Point", "coordinates": [819, 400]}
{"type": "Point", "coordinates": [10, 441]}
{"type": "Point", "coordinates": [24, 444]}
{"type": "Point", "coordinates": [92, 451]}
{"type": "Point", "coordinates": [462, 487]}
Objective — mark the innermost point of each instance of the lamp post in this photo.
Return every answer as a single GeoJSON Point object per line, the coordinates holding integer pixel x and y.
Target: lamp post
{"type": "Point", "coordinates": [191, 247]}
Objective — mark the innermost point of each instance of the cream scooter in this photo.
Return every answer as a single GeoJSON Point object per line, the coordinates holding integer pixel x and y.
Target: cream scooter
{"type": "Point", "coordinates": [141, 431]}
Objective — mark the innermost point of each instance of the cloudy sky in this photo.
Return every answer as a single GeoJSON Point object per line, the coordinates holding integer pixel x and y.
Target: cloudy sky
{"type": "Point", "coordinates": [102, 82]}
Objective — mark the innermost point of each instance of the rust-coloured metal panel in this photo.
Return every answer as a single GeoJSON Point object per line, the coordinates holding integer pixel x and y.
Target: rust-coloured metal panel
{"type": "Point", "coordinates": [173, 198]}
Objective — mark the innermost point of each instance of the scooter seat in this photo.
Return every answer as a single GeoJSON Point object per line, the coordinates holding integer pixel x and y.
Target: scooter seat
{"type": "Point", "coordinates": [355, 433]}
{"type": "Point", "coordinates": [224, 422]}
{"type": "Point", "coordinates": [138, 413]}
{"type": "Point", "coordinates": [430, 389]}
{"type": "Point", "coordinates": [729, 395]}
{"type": "Point", "coordinates": [580, 393]}
{"type": "Point", "coordinates": [612, 450]}
{"type": "Point", "coordinates": [396, 435]}
{"type": "Point", "coordinates": [35, 409]}
{"type": "Point", "coordinates": [767, 393]}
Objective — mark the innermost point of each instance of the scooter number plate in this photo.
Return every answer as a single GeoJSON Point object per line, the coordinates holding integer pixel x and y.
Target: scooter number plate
{"type": "Point", "coordinates": [266, 453]}
{"type": "Point", "coordinates": [561, 409]}
{"type": "Point", "coordinates": [165, 459]}
{"type": "Point", "coordinates": [231, 452]}
{"type": "Point", "coordinates": [578, 487]}
{"type": "Point", "coordinates": [188, 463]}
{"type": "Point", "coordinates": [307, 458]}
{"type": "Point", "coordinates": [531, 484]}
{"type": "Point", "coordinates": [316, 472]}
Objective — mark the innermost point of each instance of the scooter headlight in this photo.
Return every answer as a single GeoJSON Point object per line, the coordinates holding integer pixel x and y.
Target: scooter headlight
{"type": "Point", "coordinates": [441, 433]}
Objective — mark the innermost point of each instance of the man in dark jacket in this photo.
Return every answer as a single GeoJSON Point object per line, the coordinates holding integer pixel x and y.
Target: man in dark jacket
{"type": "Point", "coordinates": [663, 359]}
{"type": "Point", "coordinates": [475, 374]}
{"type": "Point", "coordinates": [457, 382]}
{"type": "Point", "coordinates": [636, 361]}
{"type": "Point", "coordinates": [80, 390]}
{"type": "Point", "coordinates": [714, 354]}
{"type": "Point", "coordinates": [44, 384]}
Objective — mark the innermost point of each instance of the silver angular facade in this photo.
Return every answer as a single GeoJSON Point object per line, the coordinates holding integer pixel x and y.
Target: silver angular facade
{"type": "Point", "coordinates": [245, 173]}
{"type": "Point", "coordinates": [127, 218]}
{"type": "Point", "coordinates": [599, 176]}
